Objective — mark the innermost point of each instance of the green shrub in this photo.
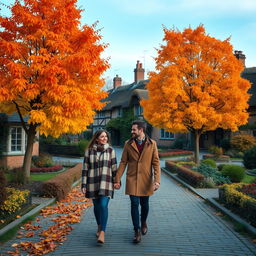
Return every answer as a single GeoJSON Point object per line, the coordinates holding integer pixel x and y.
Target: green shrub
{"type": "Point", "coordinates": [243, 142]}
{"type": "Point", "coordinates": [180, 143]}
{"type": "Point", "coordinates": [17, 176]}
{"type": "Point", "coordinates": [3, 182]}
{"type": "Point", "coordinates": [234, 172]}
{"type": "Point", "coordinates": [209, 162]}
{"type": "Point", "coordinates": [82, 145]}
{"type": "Point", "coordinates": [220, 167]}
{"type": "Point", "coordinates": [210, 172]}
{"type": "Point", "coordinates": [225, 144]}
{"type": "Point", "coordinates": [249, 158]}
{"type": "Point", "coordinates": [43, 160]}
{"type": "Point", "coordinates": [216, 151]}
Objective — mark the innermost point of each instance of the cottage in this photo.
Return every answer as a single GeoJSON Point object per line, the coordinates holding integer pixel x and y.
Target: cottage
{"type": "Point", "coordinates": [122, 97]}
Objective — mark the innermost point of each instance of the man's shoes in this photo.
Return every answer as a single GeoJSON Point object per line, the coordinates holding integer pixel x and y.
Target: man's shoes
{"type": "Point", "coordinates": [144, 228]}
{"type": "Point", "coordinates": [137, 236]}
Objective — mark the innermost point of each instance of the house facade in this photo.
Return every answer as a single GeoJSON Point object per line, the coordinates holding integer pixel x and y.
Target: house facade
{"type": "Point", "coordinates": [214, 137]}
{"type": "Point", "coordinates": [122, 97]}
{"type": "Point", "coordinates": [13, 140]}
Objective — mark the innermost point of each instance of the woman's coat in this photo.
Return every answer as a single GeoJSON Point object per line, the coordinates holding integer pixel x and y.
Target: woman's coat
{"type": "Point", "coordinates": [99, 171]}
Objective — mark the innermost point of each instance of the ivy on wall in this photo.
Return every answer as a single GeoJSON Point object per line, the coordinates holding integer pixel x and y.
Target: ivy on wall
{"type": "Point", "coordinates": [122, 125]}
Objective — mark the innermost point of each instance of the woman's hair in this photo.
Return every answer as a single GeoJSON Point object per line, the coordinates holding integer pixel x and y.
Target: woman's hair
{"type": "Point", "coordinates": [96, 135]}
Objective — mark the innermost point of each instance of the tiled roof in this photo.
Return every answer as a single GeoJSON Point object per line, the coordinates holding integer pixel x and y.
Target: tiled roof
{"type": "Point", "coordinates": [14, 118]}
{"type": "Point", "coordinates": [250, 74]}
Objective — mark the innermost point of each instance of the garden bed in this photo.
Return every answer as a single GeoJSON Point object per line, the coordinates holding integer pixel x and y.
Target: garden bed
{"type": "Point", "coordinates": [241, 199]}
{"type": "Point", "coordinates": [192, 177]}
{"type": "Point", "coordinates": [175, 152]}
{"type": "Point", "coordinates": [222, 158]}
{"type": "Point", "coordinates": [55, 168]}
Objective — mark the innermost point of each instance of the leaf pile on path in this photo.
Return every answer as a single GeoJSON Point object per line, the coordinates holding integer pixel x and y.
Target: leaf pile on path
{"type": "Point", "coordinates": [63, 215]}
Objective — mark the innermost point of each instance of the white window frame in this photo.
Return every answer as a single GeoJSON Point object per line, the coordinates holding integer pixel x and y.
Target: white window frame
{"type": "Point", "coordinates": [23, 142]}
{"type": "Point", "coordinates": [167, 135]}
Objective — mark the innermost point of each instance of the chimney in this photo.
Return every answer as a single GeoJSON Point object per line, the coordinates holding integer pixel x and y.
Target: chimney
{"type": "Point", "coordinates": [117, 81]}
{"type": "Point", "coordinates": [138, 72]}
{"type": "Point", "coordinates": [240, 56]}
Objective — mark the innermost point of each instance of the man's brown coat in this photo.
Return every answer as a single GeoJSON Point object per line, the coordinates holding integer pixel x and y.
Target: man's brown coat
{"type": "Point", "coordinates": [143, 169]}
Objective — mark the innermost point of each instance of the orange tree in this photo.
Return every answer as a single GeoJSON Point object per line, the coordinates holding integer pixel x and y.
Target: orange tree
{"type": "Point", "coordinates": [196, 86]}
{"type": "Point", "coordinates": [50, 68]}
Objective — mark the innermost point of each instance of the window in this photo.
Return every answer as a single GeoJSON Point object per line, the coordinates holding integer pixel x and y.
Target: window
{"type": "Point", "coordinates": [101, 114]}
{"type": "Point", "coordinates": [119, 112]}
{"type": "Point", "coordinates": [166, 135]}
{"type": "Point", "coordinates": [138, 110]}
{"type": "Point", "coordinates": [16, 139]}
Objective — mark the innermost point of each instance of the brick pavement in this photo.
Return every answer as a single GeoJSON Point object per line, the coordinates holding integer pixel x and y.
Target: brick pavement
{"type": "Point", "coordinates": [179, 224]}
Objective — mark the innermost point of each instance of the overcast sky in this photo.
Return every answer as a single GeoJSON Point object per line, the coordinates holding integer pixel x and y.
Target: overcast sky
{"type": "Point", "coordinates": [134, 28]}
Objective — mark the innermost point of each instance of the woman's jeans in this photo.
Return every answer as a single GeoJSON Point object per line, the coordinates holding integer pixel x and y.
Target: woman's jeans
{"type": "Point", "coordinates": [101, 211]}
{"type": "Point", "coordinates": [143, 201]}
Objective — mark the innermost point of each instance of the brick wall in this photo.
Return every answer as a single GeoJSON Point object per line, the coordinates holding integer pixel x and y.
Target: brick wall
{"type": "Point", "coordinates": [17, 161]}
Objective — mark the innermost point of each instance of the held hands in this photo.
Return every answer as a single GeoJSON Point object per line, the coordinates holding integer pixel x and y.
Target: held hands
{"type": "Point", "coordinates": [117, 185]}
{"type": "Point", "coordinates": [156, 186]}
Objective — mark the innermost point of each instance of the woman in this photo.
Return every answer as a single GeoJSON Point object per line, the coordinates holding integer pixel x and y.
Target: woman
{"type": "Point", "coordinates": [99, 170]}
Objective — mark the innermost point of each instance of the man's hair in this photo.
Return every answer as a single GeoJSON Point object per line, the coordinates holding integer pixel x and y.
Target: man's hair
{"type": "Point", "coordinates": [141, 125]}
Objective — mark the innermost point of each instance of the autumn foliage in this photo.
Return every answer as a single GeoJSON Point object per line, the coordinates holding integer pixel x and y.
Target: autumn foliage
{"type": "Point", "coordinates": [197, 85]}
{"type": "Point", "coordinates": [50, 67]}
{"type": "Point", "coordinates": [51, 228]}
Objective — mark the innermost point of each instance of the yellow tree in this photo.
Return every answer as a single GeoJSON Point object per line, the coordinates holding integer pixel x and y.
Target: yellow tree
{"type": "Point", "coordinates": [197, 85]}
{"type": "Point", "coordinates": [50, 68]}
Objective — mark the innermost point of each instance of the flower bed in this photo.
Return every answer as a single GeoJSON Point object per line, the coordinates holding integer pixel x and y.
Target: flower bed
{"type": "Point", "coordinates": [177, 152]}
{"type": "Point", "coordinates": [46, 169]}
{"type": "Point", "coordinates": [16, 199]}
{"type": "Point", "coordinates": [222, 158]}
{"type": "Point", "coordinates": [192, 177]}
{"type": "Point", "coordinates": [240, 198]}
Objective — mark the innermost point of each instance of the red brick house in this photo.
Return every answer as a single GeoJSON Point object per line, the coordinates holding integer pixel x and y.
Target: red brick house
{"type": "Point", "coordinates": [13, 141]}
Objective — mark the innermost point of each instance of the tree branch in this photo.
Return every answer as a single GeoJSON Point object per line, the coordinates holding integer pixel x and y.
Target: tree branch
{"type": "Point", "coordinates": [21, 117]}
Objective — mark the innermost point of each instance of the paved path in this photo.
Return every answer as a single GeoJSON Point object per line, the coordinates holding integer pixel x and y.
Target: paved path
{"type": "Point", "coordinates": [179, 224]}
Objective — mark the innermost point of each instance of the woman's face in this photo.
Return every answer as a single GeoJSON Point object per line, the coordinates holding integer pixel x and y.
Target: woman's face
{"type": "Point", "coordinates": [103, 138]}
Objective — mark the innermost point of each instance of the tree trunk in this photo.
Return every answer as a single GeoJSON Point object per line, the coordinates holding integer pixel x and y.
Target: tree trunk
{"type": "Point", "coordinates": [28, 154]}
{"type": "Point", "coordinates": [196, 150]}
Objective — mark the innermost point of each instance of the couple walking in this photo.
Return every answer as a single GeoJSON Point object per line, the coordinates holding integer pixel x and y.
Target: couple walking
{"type": "Point", "coordinates": [100, 176]}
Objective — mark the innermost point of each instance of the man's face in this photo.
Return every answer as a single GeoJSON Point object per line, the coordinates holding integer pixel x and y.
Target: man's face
{"type": "Point", "coordinates": [135, 131]}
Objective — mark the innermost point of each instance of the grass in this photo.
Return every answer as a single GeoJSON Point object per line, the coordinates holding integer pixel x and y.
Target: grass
{"type": "Point", "coordinates": [248, 179]}
{"type": "Point", "coordinates": [12, 232]}
{"type": "Point", "coordinates": [42, 176]}
{"type": "Point", "coordinates": [39, 176]}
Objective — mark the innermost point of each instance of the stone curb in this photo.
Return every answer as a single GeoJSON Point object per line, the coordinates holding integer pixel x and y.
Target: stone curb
{"type": "Point", "coordinates": [27, 215]}
{"type": "Point", "coordinates": [31, 213]}
{"type": "Point", "coordinates": [214, 203]}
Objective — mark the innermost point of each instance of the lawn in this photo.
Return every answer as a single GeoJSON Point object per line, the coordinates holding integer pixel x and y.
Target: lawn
{"type": "Point", "coordinates": [248, 179]}
{"type": "Point", "coordinates": [42, 176]}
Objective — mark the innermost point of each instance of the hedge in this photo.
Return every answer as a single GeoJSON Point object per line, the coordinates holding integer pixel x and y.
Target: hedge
{"type": "Point", "coordinates": [175, 153]}
{"type": "Point", "coordinates": [192, 177]}
{"type": "Point", "coordinates": [240, 203]}
{"type": "Point", "coordinates": [60, 185]}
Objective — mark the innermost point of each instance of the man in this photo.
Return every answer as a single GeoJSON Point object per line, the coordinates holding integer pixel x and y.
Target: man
{"type": "Point", "coordinates": [140, 154]}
